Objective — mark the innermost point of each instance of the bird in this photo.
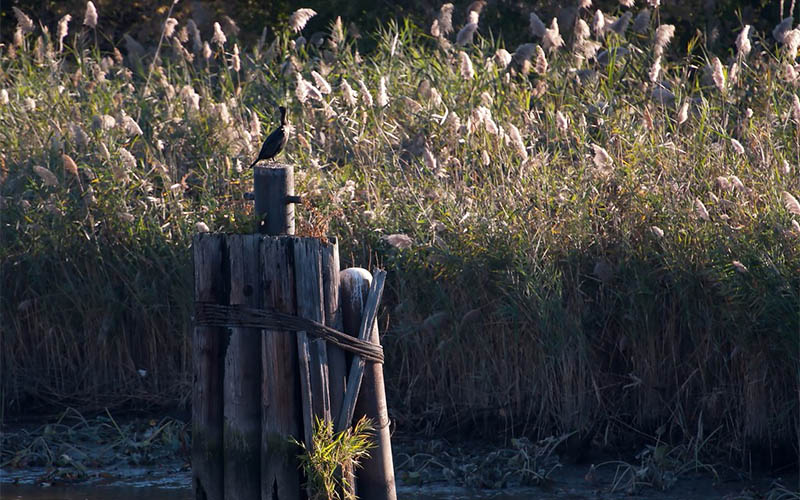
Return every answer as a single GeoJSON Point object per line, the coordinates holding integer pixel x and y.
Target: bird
{"type": "Point", "coordinates": [274, 142]}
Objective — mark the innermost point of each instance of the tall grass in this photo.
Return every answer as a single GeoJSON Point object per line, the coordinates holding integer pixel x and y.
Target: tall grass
{"type": "Point", "coordinates": [591, 237]}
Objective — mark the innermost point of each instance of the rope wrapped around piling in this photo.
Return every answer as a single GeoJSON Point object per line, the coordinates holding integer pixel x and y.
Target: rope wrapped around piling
{"type": "Point", "coordinates": [226, 316]}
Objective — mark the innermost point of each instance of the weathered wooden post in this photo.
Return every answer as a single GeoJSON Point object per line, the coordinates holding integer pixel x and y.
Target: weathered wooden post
{"type": "Point", "coordinates": [242, 398]}
{"type": "Point", "coordinates": [375, 480]}
{"type": "Point", "coordinates": [280, 417]}
{"type": "Point", "coordinates": [208, 351]}
{"type": "Point", "coordinates": [281, 406]}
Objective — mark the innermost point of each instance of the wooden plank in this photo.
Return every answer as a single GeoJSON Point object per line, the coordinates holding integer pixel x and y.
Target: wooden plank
{"type": "Point", "coordinates": [242, 398]}
{"type": "Point", "coordinates": [375, 479]}
{"type": "Point", "coordinates": [367, 320]}
{"type": "Point", "coordinates": [208, 352]}
{"type": "Point", "coordinates": [272, 184]}
{"type": "Point", "coordinates": [337, 369]}
{"type": "Point", "coordinates": [280, 476]}
{"type": "Point", "coordinates": [308, 286]}
{"type": "Point", "coordinates": [337, 366]}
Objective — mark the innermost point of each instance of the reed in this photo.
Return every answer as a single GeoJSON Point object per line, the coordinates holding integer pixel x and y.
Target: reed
{"type": "Point", "coordinates": [556, 274]}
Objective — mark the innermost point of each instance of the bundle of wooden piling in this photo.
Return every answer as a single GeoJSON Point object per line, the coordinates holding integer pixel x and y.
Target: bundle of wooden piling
{"type": "Point", "coordinates": [270, 355]}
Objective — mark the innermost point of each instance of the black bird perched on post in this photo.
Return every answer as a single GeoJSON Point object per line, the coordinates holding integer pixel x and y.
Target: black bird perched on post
{"type": "Point", "coordinates": [274, 142]}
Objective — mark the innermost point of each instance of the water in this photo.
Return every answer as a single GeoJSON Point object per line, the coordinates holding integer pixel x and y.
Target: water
{"type": "Point", "coordinates": [174, 483]}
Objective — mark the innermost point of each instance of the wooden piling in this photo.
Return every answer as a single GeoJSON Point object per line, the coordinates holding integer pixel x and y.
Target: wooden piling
{"type": "Point", "coordinates": [242, 398]}
{"type": "Point", "coordinates": [273, 188]}
{"type": "Point", "coordinates": [375, 480]}
{"type": "Point", "coordinates": [208, 352]}
{"type": "Point", "coordinates": [280, 476]}
{"type": "Point", "coordinates": [337, 370]}
{"type": "Point", "coordinates": [308, 284]}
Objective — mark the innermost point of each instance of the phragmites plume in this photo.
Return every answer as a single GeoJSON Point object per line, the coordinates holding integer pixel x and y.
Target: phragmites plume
{"type": "Point", "coordinates": [467, 72]}
{"type": "Point", "coordinates": [365, 95]}
{"type": "Point", "coordinates": [700, 210]}
{"type": "Point", "coordinates": [445, 19]}
{"type": "Point", "coordinates": [473, 17]}
{"type": "Point", "coordinates": [430, 160]}
{"type": "Point", "coordinates": [796, 108]}
{"type": "Point", "coordinates": [383, 98]}
{"type": "Point", "coordinates": [683, 113]}
{"type": "Point", "coordinates": [791, 203]}
{"type": "Point", "coordinates": [236, 62]}
{"type": "Point", "coordinates": [641, 22]}
{"type": "Point", "coordinates": [169, 27]}
{"type": "Point", "coordinates": [718, 74]}
{"type": "Point", "coordinates": [654, 3]}
{"type": "Point", "coordinates": [435, 31]}
{"type": "Point", "coordinates": [620, 26]}
{"type": "Point", "coordinates": [63, 28]}
{"type": "Point", "coordinates": [541, 61]}
{"type": "Point", "coordinates": [4, 97]}
{"type": "Point", "coordinates": [502, 58]}
{"type": "Point", "coordinates": [219, 37]}
{"type": "Point", "coordinates": [517, 142]}
{"type": "Point", "coordinates": [561, 122]}
{"type": "Point", "coordinates": [602, 159]}
{"type": "Point", "coordinates": [90, 18]}
{"type": "Point", "coordinates": [791, 42]}
{"type": "Point", "coordinates": [552, 38]}
{"type": "Point", "coordinates": [599, 23]}
{"type": "Point", "coordinates": [299, 19]}
{"type": "Point", "coordinates": [194, 32]}
{"type": "Point", "coordinates": [399, 240]}
{"type": "Point", "coordinates": [582, 31]}
{"type": "Point", "coordinates": [130, 126]}
{"type": "Point", "coordinates": [743, 42]}
{"type": "Point", "coordinates": [779, 31]}
{"type": "Point", "coordinates": [207, 51]}
{"type": "Point", "coordinates": [584, 4]}
{"type": "Point", "coordinates": [536, 26]}
{"type": "Point", "coordinates": [737, 146]}
{"type": "Point", "coordinates": [664, 34]}
{"type": "Point", "coordinates": [24, 22]}
{"type": "Point", "coordinates": [627, 3]}
{"type": "Point", "coordinates": [789, 74]}
{"type": "Point", "coordinates": [657, 231]}
{"type": "Point", "coordinates": [655, 70]}
{"type": "Point", "coordinates": [322, 84]}
{"type": "Point", "coordinates": [466, 34]}
{"type": "Point", "coordinates": [49, 177]}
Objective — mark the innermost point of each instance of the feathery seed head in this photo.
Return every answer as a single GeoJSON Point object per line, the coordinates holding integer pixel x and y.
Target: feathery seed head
{"type": "Point", "coordinates": [700, 210]}
{"type": "Point", "coordinates": [737, 146]}
{"type": "Point", "coordinates": [718, 74]}
{"type": "Point", "coordinates": [552, 38]}
{"type": "Point", "coordinates": [780, 30]}
{"type": "Point", "coordinates": [169, 27]}
{"type": "Point", "coordinates": [219, 37]}
{"type": "Point", "coordinates": [790, 203]}
{"type": "Point", "coordinates": [299, 19]}
{"type": "Point", "coordinates": [61, 32]}
{"type": "Point", "coordinates": [466, 34]}
{"type": "Point", "coordinates": [743, 42]}
{"type": "Point", "coordinates": [536, 26]}
{"type": "Point", "coordinates": [467, 72]}
{"type": "Point", "coordinates": [502, 58]}
{"type": "Point", "coordinates": [23, 21]}
{"type": "Point", "coordinates": [541, 61]}
{"type": "Point", "coordinates": [446, 19]}
{"type": "Point", "coordinates": [683, 113]}
{"type": "Point", "coordinates": [90, 18]}
{"type": "Point", "coordinates": [365, 95]}
{"type": "Point", "coordinates": [383, 98]}
{"type": "Point", "coordinates": [664, 34]}
{"type": "Point", "coordinates": [599, 23]}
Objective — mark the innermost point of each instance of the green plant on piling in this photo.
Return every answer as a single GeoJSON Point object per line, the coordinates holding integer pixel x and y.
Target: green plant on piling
{"type": "Point", "coordinates": [331, 452]}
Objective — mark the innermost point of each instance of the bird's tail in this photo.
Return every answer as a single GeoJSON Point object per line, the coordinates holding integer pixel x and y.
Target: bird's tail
{"type": "Point", "coordinates": [253, 164]}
